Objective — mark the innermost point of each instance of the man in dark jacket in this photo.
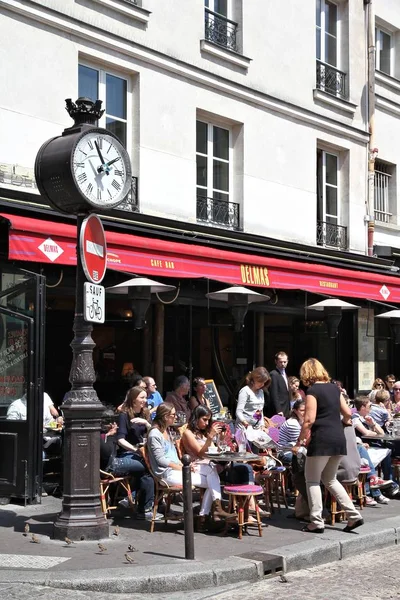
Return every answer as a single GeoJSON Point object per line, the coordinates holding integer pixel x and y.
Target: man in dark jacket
{"type": "Point", "coordinates": [279, 395]}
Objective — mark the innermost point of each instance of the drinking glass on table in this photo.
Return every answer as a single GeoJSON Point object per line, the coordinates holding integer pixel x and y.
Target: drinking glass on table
{"type": "Point", "coordinates": [390, 427]}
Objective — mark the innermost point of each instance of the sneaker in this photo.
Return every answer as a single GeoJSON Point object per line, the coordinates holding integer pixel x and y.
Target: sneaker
{"type": "Point", "coordinates": [376, 482]}
{"type": "Point", "coordinates": [370, 501]}
{"type": "Point", "coordinates": [124, 503]}
{"type": "Point", "coordinates": [382, 499]}
{"type": "Point", "coordinates": [392, 491]}
{"type": "Point", "coordinates": [148, 516]}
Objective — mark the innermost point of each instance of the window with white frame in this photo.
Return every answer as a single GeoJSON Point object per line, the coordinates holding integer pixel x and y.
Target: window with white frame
{"type": "Point", "coordinates": [327, 32]}
{"type": "Point", "coordinates": [112, 89]}
{"type": "Point", "coordinates": [383, 41]}
{"type": "Point", "coordinates": [329, 230]}
{"type": "Point", "coordinates": [219, 26]}
{"type": "Point", "coordinates": [329, 78]}
{"type": "Point", "coordinates": [214, 174]}
{"type": "Point", "coordinates": [382, 191]}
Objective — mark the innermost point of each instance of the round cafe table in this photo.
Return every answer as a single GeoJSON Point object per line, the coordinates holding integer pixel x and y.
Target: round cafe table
{"type": "Point", "coordinates": [231, 456]}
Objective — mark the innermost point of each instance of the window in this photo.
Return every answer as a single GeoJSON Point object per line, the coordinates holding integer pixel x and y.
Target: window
{"type": "Point", "coordinates": [327, 34]}
{"type": "Point", "coordinates": [382, 191]}
{"type": "Point", "coordinates": [329, 78]}
{"type": "Point", "coordinates": [214, 174]}
{"type": "Point", "coordinates": [113, 91]}
{"type": "Point", "coordinates": [219, 27]}
{"type": "Point", "coordinates": [329, 231]}
{"type": "Point", "coordinates": [383, 42]}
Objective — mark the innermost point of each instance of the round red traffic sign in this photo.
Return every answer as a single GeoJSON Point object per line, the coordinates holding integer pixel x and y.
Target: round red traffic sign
{"type": "Point", "coordinates": [93, 249]}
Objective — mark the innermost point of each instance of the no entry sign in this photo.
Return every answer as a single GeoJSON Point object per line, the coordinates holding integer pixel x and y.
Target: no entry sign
{"type": "Point", "coordinates": [93, 249]}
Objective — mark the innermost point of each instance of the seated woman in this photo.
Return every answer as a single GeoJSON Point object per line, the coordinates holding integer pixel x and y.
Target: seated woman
{"type": "Point", "coordinates": [198, 398]}
{"type": "Point", "coordinates": [198, 438]}
{"type": "Point", "coordinates": [133, 425]}
{"type": "Point", "coordinates": [367, 427]}
{"type": "Point", "coordinates": [295, 392]}
{"type": "Point", "coordinates": [289, 431]}
{"type": "Point", "coordinates": [166, 465]}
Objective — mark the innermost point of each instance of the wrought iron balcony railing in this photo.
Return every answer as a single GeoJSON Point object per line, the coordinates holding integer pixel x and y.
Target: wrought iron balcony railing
{"type": "Point", "coordinates": [131, 204]}
{"type": "Point", "coordinates": [220, 30]}
{"type": "Point", "coordinates": [329, 234]}
{"type": "Point", "coordinates": [331, 80]}
{"type": "Point", "coordinates": [218, 212]}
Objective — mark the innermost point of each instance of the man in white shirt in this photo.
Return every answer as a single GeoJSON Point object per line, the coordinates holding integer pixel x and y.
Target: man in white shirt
{"type": "Point", "coordinates": [17, 410]}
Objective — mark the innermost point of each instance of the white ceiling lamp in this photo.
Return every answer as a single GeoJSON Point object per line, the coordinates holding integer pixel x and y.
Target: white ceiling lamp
{"type": "Point", "coordinates": [238, 299]}
{"type": "Point", "coordinates": [139, 290]}
{"type": "Point", "coordinates": [333, 308]}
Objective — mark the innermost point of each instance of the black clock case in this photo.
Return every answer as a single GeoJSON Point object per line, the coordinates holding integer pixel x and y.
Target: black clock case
{"type": "Point", "coordinates": [53, 171]}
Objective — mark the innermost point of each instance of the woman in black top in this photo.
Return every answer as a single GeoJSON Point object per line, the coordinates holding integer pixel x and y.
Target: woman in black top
{"type": "Point", "coordinates": [133, 425]}
{"type": "Point", "coordinates": [322, 433]}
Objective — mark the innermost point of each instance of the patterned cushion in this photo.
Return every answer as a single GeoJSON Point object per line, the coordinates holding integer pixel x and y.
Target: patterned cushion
{"type": "Point", "coordinates": [243, 489]}
{"type": "Point", "coordinates": [365, 470]}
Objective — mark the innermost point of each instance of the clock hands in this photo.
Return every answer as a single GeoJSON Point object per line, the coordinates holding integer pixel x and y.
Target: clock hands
{"type": "Point", "coordinates": [99, 153]}
{"type": "Point", "coordinates": [105, 166]}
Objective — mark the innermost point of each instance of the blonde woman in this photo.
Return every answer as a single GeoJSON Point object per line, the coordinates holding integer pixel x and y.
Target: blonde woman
{"type": "Point", "coordinates": [322, 433]}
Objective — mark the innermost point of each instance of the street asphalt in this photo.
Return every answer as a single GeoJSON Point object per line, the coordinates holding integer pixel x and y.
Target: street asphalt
{"type": "Point", "coordinates": [159, 564]}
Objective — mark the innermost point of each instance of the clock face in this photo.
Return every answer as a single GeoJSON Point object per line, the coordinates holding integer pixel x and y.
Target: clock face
{"type": "Point", "coordinates": [101, 169]}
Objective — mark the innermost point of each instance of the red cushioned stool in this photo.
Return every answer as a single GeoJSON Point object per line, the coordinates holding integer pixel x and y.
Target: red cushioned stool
{"type": "Point", "coordinates": [239, 500]}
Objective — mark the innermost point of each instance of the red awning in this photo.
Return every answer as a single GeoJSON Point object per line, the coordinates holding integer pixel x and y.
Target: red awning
{"type": "Point", "coordinates": [50, 242]}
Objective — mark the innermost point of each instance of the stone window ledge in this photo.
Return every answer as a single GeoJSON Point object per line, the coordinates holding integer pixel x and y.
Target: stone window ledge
{"type": "Point", "coordinates": [128, 9]}
{"type": "Point", "coordinates": [387, 105]}
{"type": "Point", "coordinates": [388, 81]}
{"type": "Point", "coordinates": [224, 54]}
{"type": "Point", "coordinates": [333, 101]}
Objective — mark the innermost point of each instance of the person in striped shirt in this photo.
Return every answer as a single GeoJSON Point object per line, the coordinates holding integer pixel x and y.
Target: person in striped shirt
{"type": "Point", "coordinates": [289, 431]}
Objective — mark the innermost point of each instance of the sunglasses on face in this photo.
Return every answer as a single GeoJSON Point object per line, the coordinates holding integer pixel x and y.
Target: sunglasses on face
{"type": "Point", "coordinates": [396, 389]}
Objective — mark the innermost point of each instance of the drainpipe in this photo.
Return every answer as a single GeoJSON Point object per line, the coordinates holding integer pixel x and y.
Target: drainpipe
{"type": "Point", "coordinates": [372, 151]}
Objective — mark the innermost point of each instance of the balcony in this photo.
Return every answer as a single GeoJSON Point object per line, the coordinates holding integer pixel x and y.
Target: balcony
{"type": "Point", "coordinates": [218, 212]}
{"type": "Point", "coordinates": [334, 236]}
{"type": "Point", "coordinates": [220, 30]}
{"type": "Point", "coordinates": [331, 80]}
{"type": "Point", "coordinates": [131, 204]}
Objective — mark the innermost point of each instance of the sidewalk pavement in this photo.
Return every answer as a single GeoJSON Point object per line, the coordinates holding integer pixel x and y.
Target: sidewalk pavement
{"type": "Point", "coordinates": [159, 562]}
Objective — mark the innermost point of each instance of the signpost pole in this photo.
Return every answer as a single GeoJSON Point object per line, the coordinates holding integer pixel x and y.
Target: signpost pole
{"type": "Point", "coordinates": [188, 507]}
{"type": "Point", "coordinates": [81, 517]}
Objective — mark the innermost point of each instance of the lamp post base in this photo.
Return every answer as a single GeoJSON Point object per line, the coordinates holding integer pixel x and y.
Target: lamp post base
{"type": "Point", "coordinates": [79, 524]}
{"type": "Point", "coordinates": [81, 517]}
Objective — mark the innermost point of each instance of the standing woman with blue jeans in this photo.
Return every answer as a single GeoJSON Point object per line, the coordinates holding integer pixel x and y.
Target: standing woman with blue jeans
{"type": "Point", "coordinates": [133, 426]}
{"type": "Point", "coordinates": [322, 432]}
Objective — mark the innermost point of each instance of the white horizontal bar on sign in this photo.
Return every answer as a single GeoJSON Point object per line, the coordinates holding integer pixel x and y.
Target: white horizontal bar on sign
{"type": "Point", "coordinates": [93, 248]}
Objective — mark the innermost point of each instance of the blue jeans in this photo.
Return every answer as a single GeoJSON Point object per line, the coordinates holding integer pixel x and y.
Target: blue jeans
{"type": "Point", "coordinates": [133, 464]}
{"type": "Point", "coordinates": [363, 452]}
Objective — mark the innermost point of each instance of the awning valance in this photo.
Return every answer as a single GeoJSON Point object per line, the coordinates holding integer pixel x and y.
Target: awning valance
{"type": "Point", "coordinates": [43, 241]}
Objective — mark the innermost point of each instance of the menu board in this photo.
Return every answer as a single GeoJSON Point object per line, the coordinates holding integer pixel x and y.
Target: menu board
{"type": "Point", "coordinates": [212, 396]}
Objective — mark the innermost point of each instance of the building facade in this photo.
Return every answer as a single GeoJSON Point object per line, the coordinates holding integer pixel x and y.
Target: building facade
{"type": "Point", "coordinates": [248, 125]}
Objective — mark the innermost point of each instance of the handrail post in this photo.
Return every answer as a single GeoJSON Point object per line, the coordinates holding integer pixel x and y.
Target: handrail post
{"type": "Point", "coordinates": [188, 507]}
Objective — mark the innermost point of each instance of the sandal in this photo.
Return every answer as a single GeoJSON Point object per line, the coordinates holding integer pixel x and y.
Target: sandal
{"type": "Point", "coordinates": [356, 524]}
{"type": "Point", "coordinates": [315, 530]}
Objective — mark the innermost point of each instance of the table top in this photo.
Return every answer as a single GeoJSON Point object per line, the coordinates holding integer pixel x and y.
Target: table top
{"type": "Point", "coordinates": [383, 438]}
{"type": "Point", "coordinates": [232, 456]}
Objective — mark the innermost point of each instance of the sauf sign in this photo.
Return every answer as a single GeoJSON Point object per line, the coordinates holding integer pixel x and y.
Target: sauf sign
{"type": "Point", "coordinates": [94, 302]}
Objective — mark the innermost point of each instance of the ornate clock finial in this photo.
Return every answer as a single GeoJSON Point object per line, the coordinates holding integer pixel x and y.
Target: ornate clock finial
{"type": "Point", "coordinates": [84, 110]}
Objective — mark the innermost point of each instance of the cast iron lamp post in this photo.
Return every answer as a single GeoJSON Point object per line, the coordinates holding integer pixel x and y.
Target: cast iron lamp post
{"type": "Point", "coordinates": [74, 173]}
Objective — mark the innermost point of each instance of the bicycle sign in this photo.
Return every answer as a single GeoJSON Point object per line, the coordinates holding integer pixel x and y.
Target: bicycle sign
{"type": "Point", "coordinates": [94, 302]}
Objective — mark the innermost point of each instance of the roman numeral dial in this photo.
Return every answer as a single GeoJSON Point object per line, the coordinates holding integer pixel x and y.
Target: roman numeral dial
{"type": "Point", "coordinates": [101, 169]}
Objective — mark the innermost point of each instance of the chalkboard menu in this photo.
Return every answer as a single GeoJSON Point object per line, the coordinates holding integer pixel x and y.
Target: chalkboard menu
{"type": "Point", "coordinates": [212, 396]}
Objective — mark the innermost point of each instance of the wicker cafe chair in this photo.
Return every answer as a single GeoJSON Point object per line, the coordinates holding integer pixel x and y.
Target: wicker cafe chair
{"type": "Point", "coordinates": [112, 489]}
{"type": "Point", "coordinates": [162, 491]}
{"type": "Point", "coordinates": [273, 481]}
